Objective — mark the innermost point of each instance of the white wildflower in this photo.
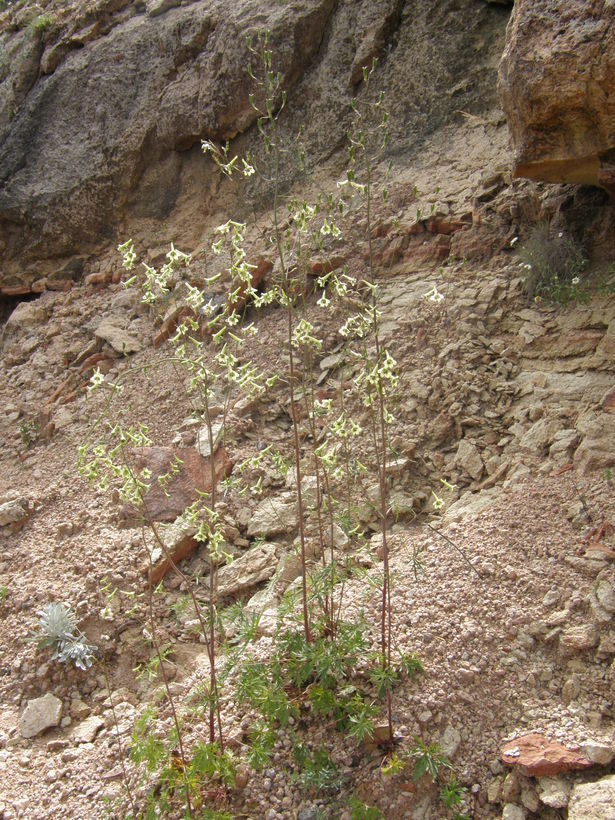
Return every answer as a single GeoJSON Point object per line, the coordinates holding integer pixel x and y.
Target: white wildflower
{"type": "Point", "coordinates": [434, 295]}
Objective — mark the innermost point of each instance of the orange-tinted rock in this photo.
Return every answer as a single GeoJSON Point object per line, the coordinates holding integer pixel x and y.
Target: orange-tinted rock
{"type": "Point", "coordinates": [429, 252]}
{"type": "Point", "coordinates": [15, 290]}
{"type": "Point", "coordinates": [538, 756]}
{"type": "Point", "coordinates": [63, 285]}
{"type": "Point", "coordinates": [176, 553]}
{"type": "Point", "coordinates": [557, 86]}
{"type": "Point", "coordinates": [100, 360]}
{"type": "Point", "coordinates": [182, 489]}
{"type": "Point", "coordinates": [321, 266]}
{"type": "Point", "coordinates": [446, 226]}
{"type": "Point", "coordinates": [98, 278]}
{"type": "Point", "coordinates": [608, 403]}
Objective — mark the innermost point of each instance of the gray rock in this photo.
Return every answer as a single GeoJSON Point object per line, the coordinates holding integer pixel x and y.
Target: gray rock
{"type": "Point", "coordinates": [86, 731]}
{"type": "Point", "coordinates": [111, 331]}
{"type": "Point", "coordinates": [513, 812]}
{"type": "Point", "coordinates": [600, 753]}
{"type": "Point", "coordinates": [540, 434]}
{"type": "Point", "coordinates": [450, 740]}
{"type": "Point", "coordinates": [273, 516]}
{"type": "Point", "coordinates": [555, 792]}
{"type": "Point", "coordinates": [605, 595]}
{"type": "Point", "coordinates": [40, 714]}
{"type": "Point", "coordinates": [571, 689]}
{"type": "Point", "coordinates": [202, 439]}
{"type": "Point", "coordinates": [510, 787]}
{"type": "Point", "coordinates": [593, 801]}
{"type": "Point", "coordinates": [529, 798]}
{"type": "Point", "coordinates": [27, 315]}
{"type": "Point", "coordinates": [494, 790]}
{"type": "Point", "coordinates": [14, 512]}
{"type": "Point", "coordinates": [578, 639]}
{"type": "Point", "coordinates": [73, 153]}
{"type": "Point", "coordinates": [597, 450]}
{"type": "Point", "coordinates": [470, 504]}
{"type": "Point", "coordinates": [469, 459]}
{"type": "Point", "coordinates": [254, 566]}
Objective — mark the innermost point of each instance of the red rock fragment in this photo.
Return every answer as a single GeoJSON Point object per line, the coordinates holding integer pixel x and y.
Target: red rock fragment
{"type": "Point", "coordinates": [63, 285]}
{"type": "Point", "coordinates": [182, 549]}
{"type": "Point", "coordinates": [446, 226]}
{"type": "Point", "coordinates": [183, 488]}
{"type": "Point", "coordinates": [98, 278]}
{"type": "Point", "coordinates": [92, 361]}
{"type": "Point", "coordinates": [537, 756]}
{"type": "Point", "coordinates": [263, 267]}
{"type": "Point", "coordinates": [319, 267]}
{"type": "Point", "coordinates": [15, 290]}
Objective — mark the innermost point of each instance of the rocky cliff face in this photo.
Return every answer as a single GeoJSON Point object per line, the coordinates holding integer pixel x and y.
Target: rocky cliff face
{"type": "Point", "coordinates": [102, 108]}
{"type": "Point", "coordinates": [557, 79]}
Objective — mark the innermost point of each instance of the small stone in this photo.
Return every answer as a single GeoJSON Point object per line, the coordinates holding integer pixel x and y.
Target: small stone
{"type": "Point", "coordinates": [605, 595]}
{"type": "Point", "coordinates": [529, 798]}
{"type": "Point", "coordinates": [571, 689]}
{"type": "Point", "coordinates": [552, 597]}
{"type": "Point", "coordinates": [57, 745]}
{"type": "Point", "coordinates": [202, 440]}
{"type": "Point", "coordinates": [254, 566]}
{"type": "Point", "coordinates": [65, 528]}
{"type": "Point", "coordinates": [86, 731]}
{"type": "Point", "coordinates": [494, 790]}
{"type": "Point", "coordinates": [578, 639]}
{"type": "Point", "coordinates": [469, 459]}
{"type": "Point", "coordinates": [273, 516]}
{"type": "Point", "coordinates": [513, 812]}
{"type": "Point", "coordinates": [601, 753]}
{"type": "Point", "coordinates": [14, 512]}
{"type": "Point", "coordinates": [79, 710]}
{"type": "Point", "coordinates": [51, 776]}
{"type": "Point", "coordinates": [450, 741]}
{"type": "Point", "coordinates": [110, 331]}
{"type": "Point", "coordinates": [510, 788]}
{"type": "Point", "coordinates": [555, 792]}
{"type": "Point", "coordinates": [40, 714]}
{"type": "Point", "coordinates": [242, 777]}
{"type": "Point", "coordinates": [558, 618]}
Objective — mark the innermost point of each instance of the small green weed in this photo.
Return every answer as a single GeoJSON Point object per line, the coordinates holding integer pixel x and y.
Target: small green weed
{"type": "Point", "coordinates": [177, 775]}
{"type": "Point", "coordinates": [361, 811]}
{"type": "Point", "coordinates": [451, 794]}
{"type": "Point", "coordinates": [29, 432]}
{"type": "Point", "coordinates": [428, 759]}
{"type": "Point", "coordinates": [316, 769]}
{"type": "Point", "coordinates": [40, 24]}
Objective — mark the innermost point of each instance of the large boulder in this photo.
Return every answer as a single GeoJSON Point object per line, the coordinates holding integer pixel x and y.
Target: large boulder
{"type": "Point", "coordinates": [557, 86]}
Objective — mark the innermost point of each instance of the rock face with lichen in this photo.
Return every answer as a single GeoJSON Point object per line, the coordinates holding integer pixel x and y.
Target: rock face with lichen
{"type": "Point", "coordinates": [557, 85]}
{"type": "Point", "coordinates": [103, 106]}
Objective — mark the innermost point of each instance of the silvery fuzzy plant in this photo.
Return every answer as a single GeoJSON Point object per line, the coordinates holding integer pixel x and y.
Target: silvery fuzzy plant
{"type": "Point", "coordinates": [58, 631]}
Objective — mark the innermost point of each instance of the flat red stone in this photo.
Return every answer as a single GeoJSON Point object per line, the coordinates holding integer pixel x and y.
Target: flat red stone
{"type": "Point", "coordinates": [538, 756]}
